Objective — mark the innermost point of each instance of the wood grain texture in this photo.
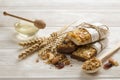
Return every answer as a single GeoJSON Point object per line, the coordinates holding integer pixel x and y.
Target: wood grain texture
{"type": "Point", "coordinates": [56, 13]}
{"type": "Point", "coordinates": [61, 18]}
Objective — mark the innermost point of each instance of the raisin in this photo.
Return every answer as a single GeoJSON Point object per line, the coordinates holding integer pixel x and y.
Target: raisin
{"type": "Point", "coordinates": [64, 42]}
{"type": "Point", "coordinates": [59, 65]}
{"type": "Point", "coordinates": [107, 65]}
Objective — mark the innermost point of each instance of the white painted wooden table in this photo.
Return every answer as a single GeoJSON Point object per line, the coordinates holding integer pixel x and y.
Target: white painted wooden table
{"type": "Point", "coordinates": [56, 13]}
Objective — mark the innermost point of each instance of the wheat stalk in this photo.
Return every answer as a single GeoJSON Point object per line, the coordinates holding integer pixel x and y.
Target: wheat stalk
{"type": "Point", "coordinates": [31, 42]}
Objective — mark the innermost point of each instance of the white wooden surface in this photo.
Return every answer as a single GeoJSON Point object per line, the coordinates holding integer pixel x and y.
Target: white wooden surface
{"type": "Point", "coordinates": [56, 13]}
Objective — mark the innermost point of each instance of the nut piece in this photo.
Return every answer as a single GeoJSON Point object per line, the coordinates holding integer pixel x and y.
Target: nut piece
{"type": "Point", "coordinates": [55, 60]}
{"type": "Point", "coordinates": [47, 55]}
{"type": "Point", "coordinates": [44, 56]}
{"type": "Point", "coordinates": [67, 62]}
{"type": "Point", "coordinates": [50, 55]}
{"type": "Point", "coordinates": [113, 62]}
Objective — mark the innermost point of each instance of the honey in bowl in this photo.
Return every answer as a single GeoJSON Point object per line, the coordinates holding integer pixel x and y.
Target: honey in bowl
{"type": "Point", "coordinates": [26, 28]}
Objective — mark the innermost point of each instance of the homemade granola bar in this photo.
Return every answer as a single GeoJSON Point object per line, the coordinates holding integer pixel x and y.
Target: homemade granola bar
{"type": "Point", "coordinates": [66, 46]}
{"type": "Point", "coordinates": [87, 33]}
{"type": "Point", "coordinates": [86, 52]}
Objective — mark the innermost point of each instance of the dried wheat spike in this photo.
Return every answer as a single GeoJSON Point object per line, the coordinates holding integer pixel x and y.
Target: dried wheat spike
{"type": "Point", "coordinates": [51, 43]}
{"type": "Point", "coordinates": [29, 51]}
{"type": "Point", "coordinates": [31, 42]}
{"type": "Point", "coordinates": [48, 43]}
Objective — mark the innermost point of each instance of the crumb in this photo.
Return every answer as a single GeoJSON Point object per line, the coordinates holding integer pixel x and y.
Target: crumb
{"type": "Point", "coordinates": [59, 65]}
{"type": "Point", "coordinates": [37, 60]}
{"type": "Point", "coordinates": [71, 65]}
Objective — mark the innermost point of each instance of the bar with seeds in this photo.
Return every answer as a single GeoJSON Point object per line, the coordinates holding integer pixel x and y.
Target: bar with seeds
{"type": "Point", "coordinates": [66, 46]}
{"type": "Point", "coordinates": [86, 52]}
{"type": "Point", "coordinates": [87, 33]}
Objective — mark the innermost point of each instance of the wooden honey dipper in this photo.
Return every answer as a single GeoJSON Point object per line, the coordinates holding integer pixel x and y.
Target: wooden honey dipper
{"type": "Point", "coordinates": [38, 23]}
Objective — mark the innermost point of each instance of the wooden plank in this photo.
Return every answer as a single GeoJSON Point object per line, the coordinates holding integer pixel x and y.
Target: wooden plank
{"type": "Point", "coordinates": [77, 4]}
{"type": "Point", "coordinates": [81, 9]}
{"type": "Point", "coordinates": [53, 79]}
{"type": "Point", "coordinates": [61, 18]}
